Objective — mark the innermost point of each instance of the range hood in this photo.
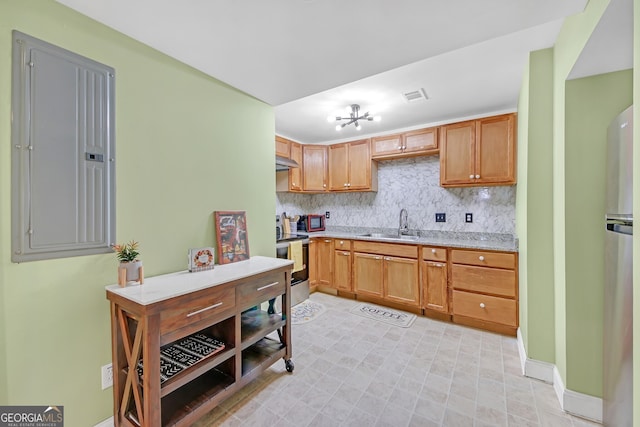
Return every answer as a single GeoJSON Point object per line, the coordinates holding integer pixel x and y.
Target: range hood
{"type": "Point", "coordinates": [283, 164]}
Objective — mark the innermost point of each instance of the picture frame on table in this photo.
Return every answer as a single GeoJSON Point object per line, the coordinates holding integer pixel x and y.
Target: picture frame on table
{"type": "Point", "coordinates": [231, 236]}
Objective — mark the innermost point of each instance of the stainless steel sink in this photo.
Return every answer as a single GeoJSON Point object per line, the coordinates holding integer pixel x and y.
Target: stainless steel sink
{"type": "Point", "coordinates": [393, 236]}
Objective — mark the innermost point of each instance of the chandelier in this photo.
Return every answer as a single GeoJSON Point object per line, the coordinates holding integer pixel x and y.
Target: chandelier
{"type": "Point", "coordinates": [354, 117]}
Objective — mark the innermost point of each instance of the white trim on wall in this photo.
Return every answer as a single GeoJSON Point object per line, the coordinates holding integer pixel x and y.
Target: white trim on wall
{"type": "Point", "coordinates": [579, 404]}
{"type": "Point", "coordinates": [106, 423]}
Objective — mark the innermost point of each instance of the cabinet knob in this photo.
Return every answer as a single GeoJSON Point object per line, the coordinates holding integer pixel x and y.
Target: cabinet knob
{"type": "Point", "coordinates": [477, 176]}
{"type": "Point", "coordinates": [481, 258]}
{"type": "Point", "coordinates": [327, 241]}
{"type": "Point", "coordinates": [342, 242]}
{"type": "Point", "coordinates": [344, 185]}
{"type": "Point", "coordinates": [404, 148]}
{"type": "Point", "coordinates": [433, 251]}
{"type": "Point", "coordinates": [324, 185]}
{"type": "Point", "coordinates": [399, 147]}
{"type": "Point", "coordinates": [378, 257]}
{"type": "Point", "coordinates": [471, 176]}
{"type": "Point", "coordinates": [349, 184]}
{"type": "Point", "coordinates": [481, 305]}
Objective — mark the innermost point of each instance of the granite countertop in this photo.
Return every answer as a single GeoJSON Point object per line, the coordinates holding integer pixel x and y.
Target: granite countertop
{"type": "Point", "coordinates": [467, 240]}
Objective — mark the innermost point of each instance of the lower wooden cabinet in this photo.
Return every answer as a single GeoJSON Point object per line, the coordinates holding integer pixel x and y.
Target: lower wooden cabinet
{"type": "Point", "coordinates": [387, 271]}
{"type": "Point", "coordinates": [435, 294]}
{"type": "Point", "coordinates": [313, 263]}
{"type": "Point", "coordinates": [367, 274]}
{"type": "Point", "coordinates": [324, 251]}
{"type": "Point", "coordinates": [342, 261]}
{"type": "Point", "coordinates": [485, 289]}
{"type": "Point", "coordinates": [400, 282]}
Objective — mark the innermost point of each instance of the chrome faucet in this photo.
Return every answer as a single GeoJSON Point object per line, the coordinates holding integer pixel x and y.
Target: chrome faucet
{"type": "Point", "coordinates": [403, 227]}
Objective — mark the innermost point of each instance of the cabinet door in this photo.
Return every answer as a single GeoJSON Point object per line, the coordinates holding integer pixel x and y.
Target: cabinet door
{"type": "Point", "coordinates": [359, 165]}
{"type": "Point", "coordinates": [342, 270]}
{"type": "Point", "coordinates": [457, 154]}
{"type": "Point", "coordinates": [434, 286]}
{"type": "Point", "coordinates": [313, 262]}
{"type": "Point", "coordinates": [401, 281]}
{"type": "Point", "coordinates": [367, 274]}
{"type": "Point", "coordinates": [495, 150]}
{"type": "Point", "coordinates": [421, 141]}
{"type": "Point", "coordinates": [295, 174]}
{"type": "Point", "coordinates": [338, 167]}
{"type": "Point", "coordinates": [385, 146]}
{"type": "Point", "coordinates": [314, 167]}
{"type": "Point", "coordinates": [325, 261]}
{"type": "Point", "coordinates": [283, 147]}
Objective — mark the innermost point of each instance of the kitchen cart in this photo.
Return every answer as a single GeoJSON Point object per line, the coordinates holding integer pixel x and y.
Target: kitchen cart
{"type": "Point", "coordinates": [184, 342]}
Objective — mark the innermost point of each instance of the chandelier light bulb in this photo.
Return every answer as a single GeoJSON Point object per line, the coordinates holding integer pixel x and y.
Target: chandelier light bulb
{"type": "Point", "coordinates": [358, 127]}
{"type": "Point", "coordinates": [377, 118]}
{"type": "Point", "coordinates": [338, 127]}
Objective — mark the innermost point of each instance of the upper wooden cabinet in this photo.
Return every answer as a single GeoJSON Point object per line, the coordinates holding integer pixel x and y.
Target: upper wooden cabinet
{"type": "Point", "coordinates": [351, 167]}
{"type": "Point", "coordinates": [314, 168]}
{"type": "Point", "coordinates": [478, 152]}
{"type": "Point", "coordinates": [295, 174]}
{"type": "Point", "coordinates": [283, 147]}
{"type": "Point", "coordinates": [414, 143]}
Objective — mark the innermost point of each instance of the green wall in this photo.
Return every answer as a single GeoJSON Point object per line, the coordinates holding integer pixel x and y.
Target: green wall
{"type": "Point", "coordinates": [591, 104]}
{"type": "Point", "coordinates": [573, 36]}
{"type": "Point", "coordinates": [636, 213]}
{"type": "Point", "coordinates": [534, 213]}
{"type": "Point", "coordinates": [522, 205]}
{"type": "Point", "coordinates": [186, 145]}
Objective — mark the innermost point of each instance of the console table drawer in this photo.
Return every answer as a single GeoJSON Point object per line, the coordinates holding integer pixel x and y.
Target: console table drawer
{"type": "Point", "coordinates": [485, 307]}
{"type": "Point", "coordinates": [192, 309]}
{"type": "Point", "coordinates": [262, 289]}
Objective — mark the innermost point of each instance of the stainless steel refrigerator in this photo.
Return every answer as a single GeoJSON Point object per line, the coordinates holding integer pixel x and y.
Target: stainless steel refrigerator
{"type": "Point", "coordinates": [618, 305]}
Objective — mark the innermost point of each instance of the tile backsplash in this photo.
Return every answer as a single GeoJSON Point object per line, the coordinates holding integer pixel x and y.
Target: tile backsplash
{"type": "Point", "coordinates": [413, 184]}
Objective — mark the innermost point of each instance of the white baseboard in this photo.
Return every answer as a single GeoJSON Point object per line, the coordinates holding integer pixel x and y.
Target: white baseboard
{"type": "Point", "coordinates": [579, 404]}
{"type": "Point", "coordinates": [532, 368]}
{"type": "Point", "coordinates": [106, 423]}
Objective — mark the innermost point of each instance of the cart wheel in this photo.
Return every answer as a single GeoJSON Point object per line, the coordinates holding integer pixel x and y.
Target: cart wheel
{"type": "Point", "coordinates": [288, 364]}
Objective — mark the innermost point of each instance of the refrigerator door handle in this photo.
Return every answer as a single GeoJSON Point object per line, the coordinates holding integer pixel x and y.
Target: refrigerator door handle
{"type": "Point", "coordinates": [620, 226]}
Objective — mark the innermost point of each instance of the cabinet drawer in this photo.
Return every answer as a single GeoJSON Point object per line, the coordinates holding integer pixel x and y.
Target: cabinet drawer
{"type": "Point", "coordinates": [390, 249]}
{"type": "Point", "coordinates": [484, 259]}
{"type": "Point", "coordinates": [434, 254]}
{"type": "Point", "coordinates": [342, 244]}
{"type": "Point", "coordinates": [480, 279]}
{"type": "Point", "coordinates": [259, 290]}
{"type": "Point", "coordinates": [195, 309]}
{"type": "Point", "coordinates": [484, 307]}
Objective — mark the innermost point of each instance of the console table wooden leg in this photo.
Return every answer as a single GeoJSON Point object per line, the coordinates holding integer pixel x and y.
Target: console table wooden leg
{"type": "Point", "coordinates": [132, 354]}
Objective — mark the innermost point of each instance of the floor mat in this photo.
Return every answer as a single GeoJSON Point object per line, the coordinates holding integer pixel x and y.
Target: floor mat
{"type": "Point", "coordinates": [384, 314]}
{"type": "Point", "coordinates": [306, 311]}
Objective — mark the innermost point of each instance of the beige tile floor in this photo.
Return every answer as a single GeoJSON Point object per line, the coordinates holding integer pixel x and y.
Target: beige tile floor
{"type": "Point", "coordinates": [353, 371]}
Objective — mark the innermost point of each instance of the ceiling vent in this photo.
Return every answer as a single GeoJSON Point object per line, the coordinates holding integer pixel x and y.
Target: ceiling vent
{"type": "Point", "coordinates": [415, 95]}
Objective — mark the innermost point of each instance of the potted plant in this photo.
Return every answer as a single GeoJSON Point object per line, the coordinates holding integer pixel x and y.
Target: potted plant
{"type": "Point", "coordinates": [130, 268]}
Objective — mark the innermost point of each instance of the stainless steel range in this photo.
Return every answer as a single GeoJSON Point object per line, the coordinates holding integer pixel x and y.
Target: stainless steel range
{"type": "Point", "coordinates": [299, 279]}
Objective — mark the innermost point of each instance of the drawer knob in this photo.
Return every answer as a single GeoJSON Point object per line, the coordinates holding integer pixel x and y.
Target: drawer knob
{"type": "Point", "coordinates": [481, 305]}
{"type": "Point", "coordinates": [433, 251]}
{"type": "Point", "coordinates": [481, 258]}
{"type": "Point", "coordinates": [342, 242]}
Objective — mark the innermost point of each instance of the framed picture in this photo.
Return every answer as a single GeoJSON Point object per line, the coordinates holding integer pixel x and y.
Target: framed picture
{"type": "Point", "coordinates": [200, 259]}
{"type": "Point", "coordinates": [231, 236]}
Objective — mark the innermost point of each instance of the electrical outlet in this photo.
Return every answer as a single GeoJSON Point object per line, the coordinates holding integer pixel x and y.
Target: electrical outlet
{"type": "Point", "coordinates": [107, 376]}
{"type": "Point", "coordinates": [327, 214]}
{"type": "Point", "coordinates": [468, 217]}
{"type": "Point", "coordinates": [441, 217]}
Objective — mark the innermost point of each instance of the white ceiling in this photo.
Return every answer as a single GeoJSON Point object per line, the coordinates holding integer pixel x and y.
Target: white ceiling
{"type": "Point", "coordinates": [309, 58]}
